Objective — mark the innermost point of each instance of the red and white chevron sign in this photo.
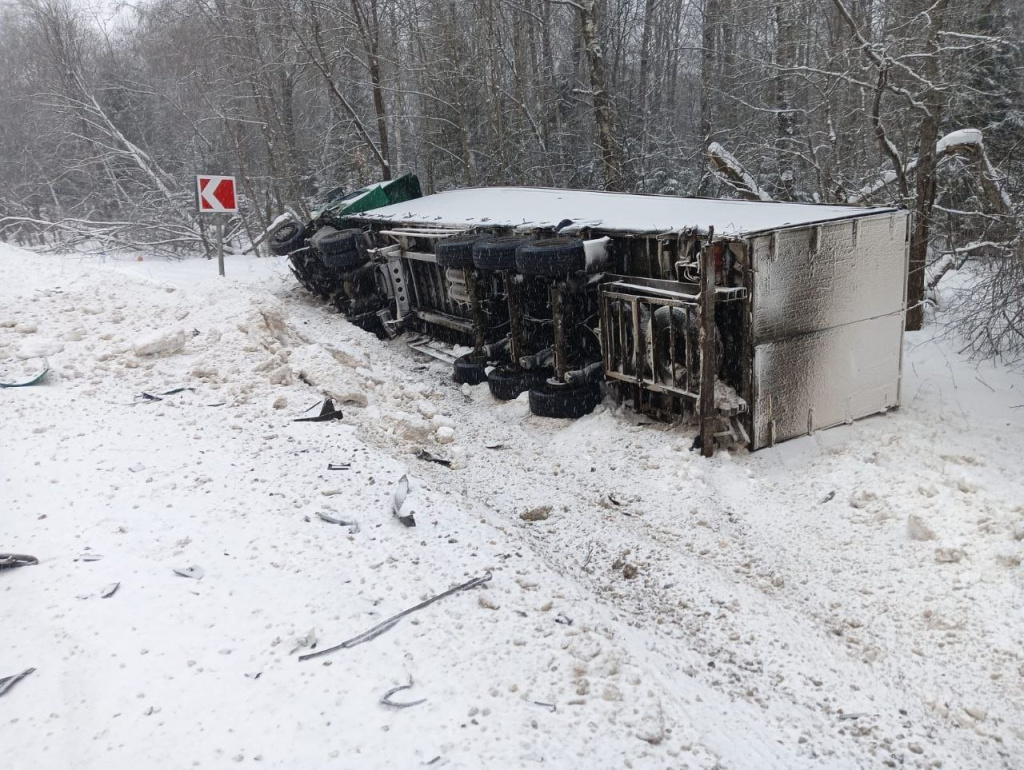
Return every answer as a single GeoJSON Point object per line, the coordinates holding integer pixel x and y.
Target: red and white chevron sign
{"type": "Point", "coordinates": [216, 194]}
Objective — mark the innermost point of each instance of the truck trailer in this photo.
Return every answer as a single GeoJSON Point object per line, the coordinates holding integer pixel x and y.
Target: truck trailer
{"type": "Point", "coordinates": [763, 320]}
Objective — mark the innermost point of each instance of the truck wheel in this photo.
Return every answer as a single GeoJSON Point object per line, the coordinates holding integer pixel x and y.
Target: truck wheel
{"type": "Point", "coordinates": [456, 251]}
{"type": "Point", "coordinates": [343, 261]}
{"type": "Point", "coordinates": [551, 257]}
{"type": "Point", "coordinates": [330, 241]}
{"type": "Point", "coordinates": [497, 253]}
{"type": "Point", "coordinates": [286, 238]}
{"type": "Point", "coordinates": [508, 381]}
{"type": "Point", "coordinates": [470, 369]}
{"type": "Point", "coordinates": [554, 400]}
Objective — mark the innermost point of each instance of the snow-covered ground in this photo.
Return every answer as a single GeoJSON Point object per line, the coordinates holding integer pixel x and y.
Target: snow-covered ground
{"type": "Point", "coordinates": [851, 599]}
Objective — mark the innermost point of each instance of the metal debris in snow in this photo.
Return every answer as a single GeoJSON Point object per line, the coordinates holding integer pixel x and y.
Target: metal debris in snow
{"type": "Point", "coordinates": [89, 557]}
{"type": "Point", "coordinates": [33, 380]}
{"type": "Point", "coordinates": [549, 706]}
{"type": "Point", "coordinates": [14, 560]}
{"type": "Point", "coordinates": [398, 501]}
{"type": "Point", "coordinates": [109, 590]}
{"type": "Point", "coordinates": [338, 466]}
{"type": "Point", "coordinates": [176, 391]}
{"type": "Point", "coordinates": [495, 445]}
{"type": "Point", "coordinates": [327, 412]}
{"type": "Point", "coordinates": [391, 622]}
{"type": "Point", "coordinates": [828, 497]}
{"type": "Point", "coordinates": [430, 457]}
{"type": "Point", "coordinates": [386, 698]}
{"type": "Point", "coordinates": [7, 682]}
{"type": "Point", "coordinates": [192, 571]}
{"type": "Point", "coordinates": [352, 525]}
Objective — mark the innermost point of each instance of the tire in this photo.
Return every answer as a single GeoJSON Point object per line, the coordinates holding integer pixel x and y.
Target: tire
{"type": "Point", "coordinates": [497, 253]}
{"type": "Point", "coordinates": [470, 369]}
{"type": "Point", "coordinates": [330, 241]}
{"type": "Point", "coordinates": [310, 273]}
{"type": "Point", "coordinates": [286, 238]}
{"type": "Point", "coordinates": [456, 251]}
{"type": "Point", "coordinates": [343, 262]}
{"type": "Point", "coordinates": [551, 257]}
{"type": "Point", "coordinates": [564, 401]}
{"type": "Point", "coordinates": [506, 382]}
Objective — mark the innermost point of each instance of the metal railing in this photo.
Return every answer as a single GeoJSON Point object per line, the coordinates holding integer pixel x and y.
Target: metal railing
{"type": "Point", "coordinates": [650, 335]}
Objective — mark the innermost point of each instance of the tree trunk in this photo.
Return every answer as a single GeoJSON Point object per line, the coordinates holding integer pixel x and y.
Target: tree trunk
{"type": "Point", "coordinates": [610, 158]}
{"type": "Point", "coordinates": [928, 135]}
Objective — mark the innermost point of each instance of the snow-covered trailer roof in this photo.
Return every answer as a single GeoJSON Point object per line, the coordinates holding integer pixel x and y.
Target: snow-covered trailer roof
{"type": "Point", "coordinates": [539, 207]}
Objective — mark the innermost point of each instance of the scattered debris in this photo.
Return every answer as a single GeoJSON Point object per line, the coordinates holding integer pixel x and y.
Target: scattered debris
{"type": "Point", "coordinates": [386, 698]}
{"type": "Point", "coordinates": [352, 525]}
{"type": "Point", "coordinates": [254, 675]}
{"type": "Point", "coordinates": [828, 497]}
{"type": "Point", "coordinates": [14, 560]}
{"type": "Point", "coordinates": [549, 706]}
{"type": "Point", "coordinates": [192, 571]}
{"type": "Point", "coordinates": [612, 500]}
{"type": "Point", "coordinates": [401, 493]}
{"type": "Point", "coordinates": [137, 468]}
{"type": "Point", "coordinates": [35, 379]}
{"type": "Point", "coordinates": [562, 619]}
{"type": "Point", "coordinates": [430, 457]}
{"type": "Point", "coordinates": [89, 557]}
{"type": "Point", "coordinates": [495, 445]}
{"type": "Point", "coordinates": [629, 571]}
{"type": "Point", "coordinates": [109, 590]}
{"type": "Point", "coordinates": [327, 412]}
{"type": "Point", "coordinates": [338, 466]}
{"type": "Point", "coordinates": [309, 639]}
{"type": "Point", "coordinates": [540, 513]}
{"type": "Point", "coordinates": [147, 398]}
{"type": "Point", "coordinates": [7, 682]}
{"type": "Point", "coordinates": [391, 622]}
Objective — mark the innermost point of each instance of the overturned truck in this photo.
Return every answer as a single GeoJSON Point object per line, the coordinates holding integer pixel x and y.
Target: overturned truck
{"type": "Point", "coordinates": [766, 321]}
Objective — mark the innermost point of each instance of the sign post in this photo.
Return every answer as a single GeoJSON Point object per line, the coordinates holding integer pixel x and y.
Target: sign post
{"type": "Point", "coordinates": [216, 195]}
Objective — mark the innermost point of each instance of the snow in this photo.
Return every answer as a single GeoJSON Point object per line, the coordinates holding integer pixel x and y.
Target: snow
{"type": "Point", "coordinates": [956, 138]}
{"type": "Point", "coordinates": [530, 208]}
{"type": "Point", "coordinates": [849, 599]}
{"type": "Point", "coordinates": [715, 150]}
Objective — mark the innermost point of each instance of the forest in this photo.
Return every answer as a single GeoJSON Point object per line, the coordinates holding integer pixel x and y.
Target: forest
{"type": "Point", "coordinates": [108, 111]}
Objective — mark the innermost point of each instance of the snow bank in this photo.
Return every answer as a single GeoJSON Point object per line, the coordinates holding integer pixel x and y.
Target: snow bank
{"type": "Point", "coordinates": [159, 343]}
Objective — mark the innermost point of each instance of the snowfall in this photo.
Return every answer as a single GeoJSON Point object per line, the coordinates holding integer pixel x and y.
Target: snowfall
{"type": "Point", "coordinates": [852, 599]}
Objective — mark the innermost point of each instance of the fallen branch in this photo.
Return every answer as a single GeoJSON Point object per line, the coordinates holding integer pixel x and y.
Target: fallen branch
{"type": "Point", "coordinates": [731, 171]}
{"type": "Point", "coordinates": [390, 623]}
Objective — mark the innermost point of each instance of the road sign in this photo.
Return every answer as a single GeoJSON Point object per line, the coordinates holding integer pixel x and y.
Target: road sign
{"type": "Point", "coordinates": [216, 194]}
